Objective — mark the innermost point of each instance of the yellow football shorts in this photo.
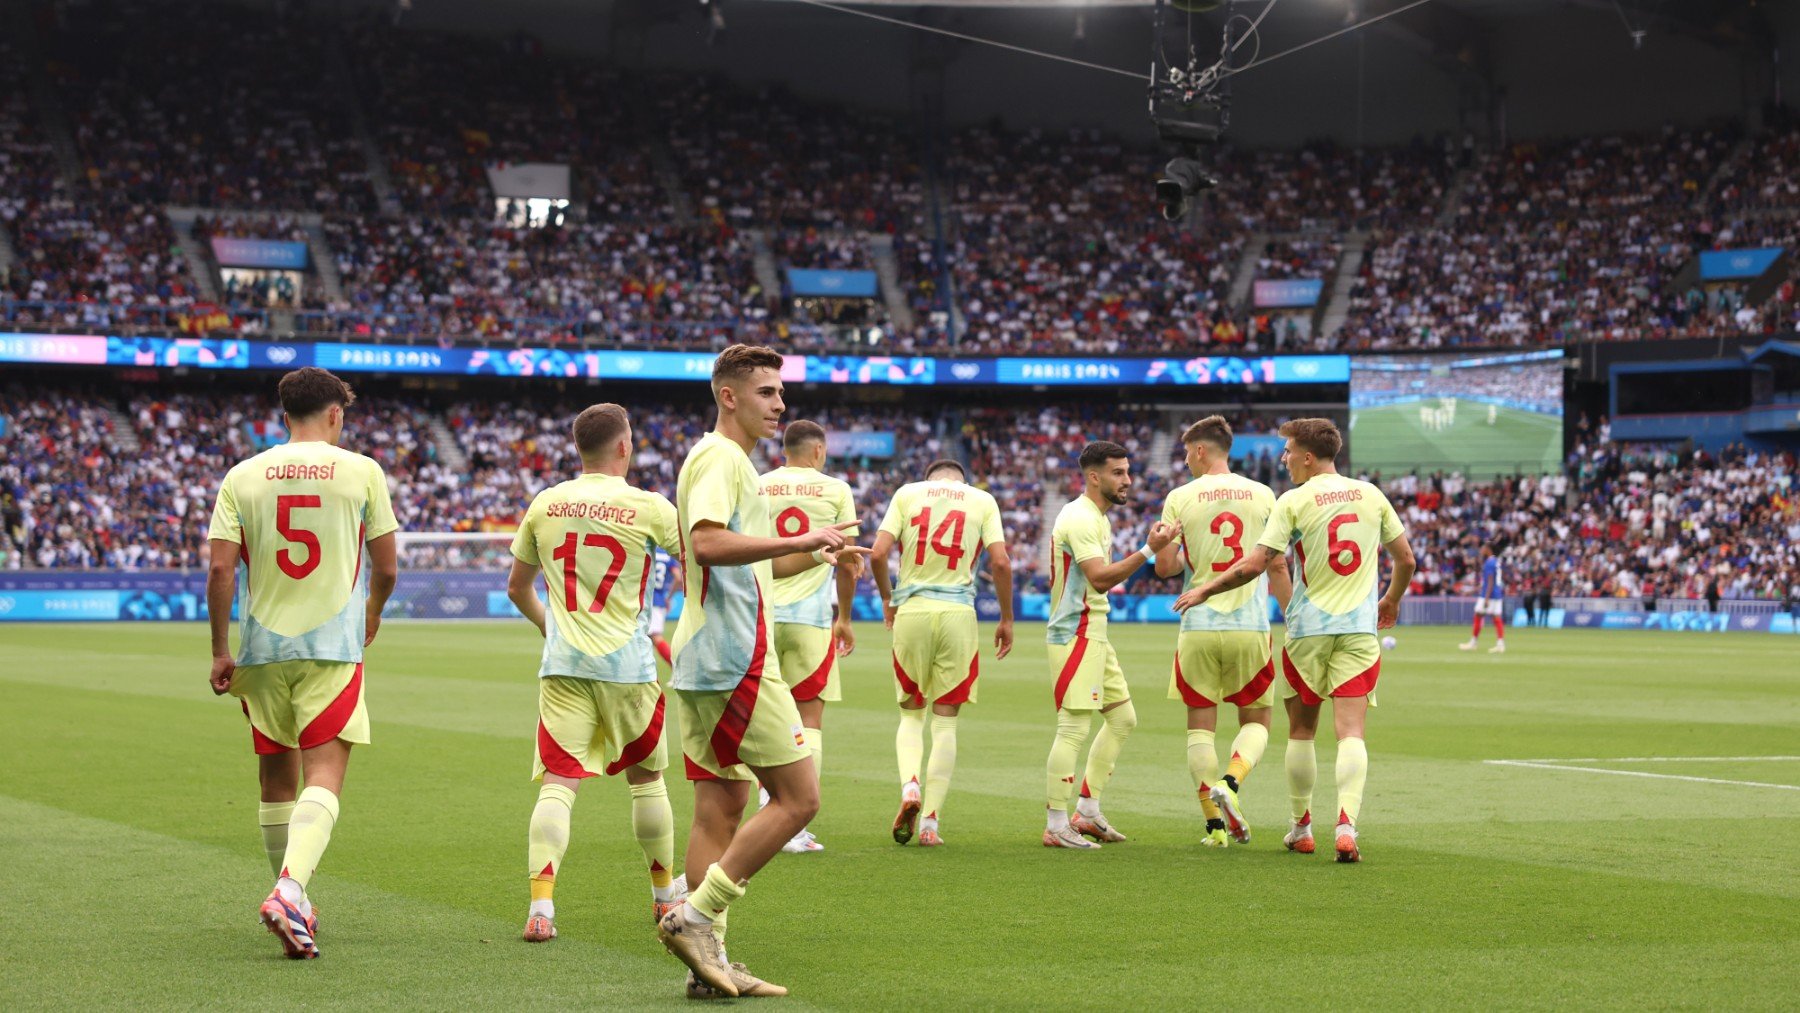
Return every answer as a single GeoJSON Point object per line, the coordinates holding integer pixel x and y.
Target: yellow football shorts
{"type": "Point", "coordinates": [937, 656]}
{"type": "Point", "coordinates": [1223, 666]}
{"type": "Point", "coordinates": [725, 733]}
{"type": "Point", "coordinates": [302, 704]}
{"type": "Point", "coordinates": [1088, 676]}
{"type": "Point", "coordinates": [809, 649]}
{"type": "Point", "coordinates": [1337, 664]}
{"type": "Point", "coordinates": [587, 727]}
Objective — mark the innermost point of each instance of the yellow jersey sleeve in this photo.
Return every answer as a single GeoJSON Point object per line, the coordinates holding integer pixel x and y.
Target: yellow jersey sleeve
{"type": "Point", "coordinates": [666, 528]}
{"type": "Point", "coordinates": [524, 544]}
{"type": "Point", "coordinates": [226, 524]}
{"type": "Point", "coordinates": [1391, 528]}
{"type": "Point", "coordinates": [1088, 537]}
{"type": "Point", "coordinates": [894, 521]}
{"type": "Point", "coordinates": [1279, 533]}
{"type": "Point", "coordinates": [378, 518]}
{"type": "Point", "coordinates": [992, 533]}
{"type": "Point", "coordinates": [712, 491]}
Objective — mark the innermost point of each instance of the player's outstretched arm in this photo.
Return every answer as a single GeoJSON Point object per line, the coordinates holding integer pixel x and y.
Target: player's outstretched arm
{"type": "Point", "coordinates": [1253, 565]}
{"type": "Point", "coordinates": [1168, 560]}
{"type": "Point", "coordinates": [716, 545]}
{"type": "Point", "coordinates": [1000, 564]}
{"type": "Point", "coordinates": [521, 590]}
{"type": "Point", "coordinates": [1387, 611]}
{"type": "Point", "coordinates": [221, 587]}
{"type": "Point", "coordinates": [384, 573]}
{"type": "Point", "coordinates": [1103, 577]}
{"type": "Point", "coordinates": [878, 568]}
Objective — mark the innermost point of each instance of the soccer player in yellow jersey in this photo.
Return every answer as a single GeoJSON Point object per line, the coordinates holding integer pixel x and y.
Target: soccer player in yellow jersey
{"type": "Point", "coordinates": [1082, 662]}
{"type": "Point", "coordinates": [1223, 654]}
{"type": "Point", "coordinates": [600, 710]}
{"type": "Point", "coordinates": [807, 638]}
{"type": "Point", "coordinates": [941, 526]}
{"type": "Point", "coordinates": [738, 719]}
{"type": "Point", "coordinates": [291, 528]}
{"type": "Point", "coordinates": [1335, 525]}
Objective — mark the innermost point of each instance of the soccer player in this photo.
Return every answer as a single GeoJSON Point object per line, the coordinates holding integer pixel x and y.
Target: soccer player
{"type": "Point", "coordinates": [738, 719]}
{"type": "Point", "coordinates": [292, 526]}
{"type": "Point", "coordinates": [807, 638]}
{"type": "Point", "coordinates": [600, 710]}
{"type": "Point", "coordinates": [941, 525]}
{"type": "Point", "coordinates": [665, 580]}
{"type": "Point", "coordinates": [1335, 526]}
{"type": "Point", "coordinates": [1223, 654]}
{"type": "Point", "coordinates": [1086, 670]}
{"type": "Point", "coordinates": [1490, 601]}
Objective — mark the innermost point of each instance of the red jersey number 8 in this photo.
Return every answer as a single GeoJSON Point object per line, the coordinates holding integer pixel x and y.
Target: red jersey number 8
{"type": "Point", "coordinates": [791, 522]}
{"type": "Point", "coordinates": [1337, 547]}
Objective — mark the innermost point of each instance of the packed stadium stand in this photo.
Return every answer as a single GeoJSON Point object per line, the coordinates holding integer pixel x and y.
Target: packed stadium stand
{"type": "Point", "coordinates": [692, 197]}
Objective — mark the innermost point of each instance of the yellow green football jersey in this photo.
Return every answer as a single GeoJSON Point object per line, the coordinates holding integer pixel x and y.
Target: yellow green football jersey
{"type": "Point", "coordinates": [300, 514]}
{"type": "Point", "coordinates": [596, 538]}
{"type": "Point", "coordinates": [1336, 526]}
{"type": "Point", "coordinates": [1216, 515]}
{"type": "Point", "coordinates": [801, 499]}
{"type": "Point", "coordinates": [941, 528]}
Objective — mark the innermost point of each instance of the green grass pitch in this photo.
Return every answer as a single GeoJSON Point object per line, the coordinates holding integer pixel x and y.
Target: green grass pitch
{"type": "Point", "coordinates": [1392, 439]}
{"type": "Point", "coordinates": [130, 864]}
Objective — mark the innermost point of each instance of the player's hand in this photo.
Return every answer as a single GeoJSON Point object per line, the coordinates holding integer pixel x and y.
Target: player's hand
{"type": "Point", "coordinates": [844, 555]}
{"type": "Point", "coordinates": [1190, 598]}
{"type": "Point", "coordinates": [1002, 640]}
{"type": "Point", "coordinates": [832, 536]}
{"type": "Point", "coordinates": [1161, 534]}
{"type": "Point", "coordinates": [1387, 613]}
{"type": "Point", "coordinates": [371, 626]}
{"type": "Point", "coordinates": [853, 563]}
{"type": "Point", "coordinates": [888, 610]}
{"type": "Point", "coordinates": [223, 668]}
{"type": "Point", "coordinates": [844, 637]}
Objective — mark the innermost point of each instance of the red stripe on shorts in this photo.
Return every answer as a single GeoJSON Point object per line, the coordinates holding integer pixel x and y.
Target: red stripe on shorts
{"type": "Point", "coordinates": [556, 759]}
{"type": "Point", "coordinates": [332, 719]}
{"type": "Point", "coordinates": [728, 734]}
{"type": "Point", "coordinates": [810, 687]}
{"type": "Point", "coordinates": [960, 695]}
{"type": "Point", "coordinates": [1363, 684]}
{"type": "Point", "coordinates": [1189, 695]}
{"type": "Point", "coordinates": [1068, 670]}
{"type": "Point", "coordinates": [695, 772]}
{"type": "Point", "coordinates": [1307, 696]}
{"type": "Point", "coordinates": [1256, 687]}
{"type": "Point", "coordinates": [263, 745]}
{"type": "Point", "coordinates": [637, 749]}
{"type": "Point", "coordinates": [910, 687]}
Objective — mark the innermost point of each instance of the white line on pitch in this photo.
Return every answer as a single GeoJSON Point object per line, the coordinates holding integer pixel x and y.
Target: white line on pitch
{"type": "Point", "coordinates": [1655, 759]}
{"type": "Point", "coordinates": [1639, 773]}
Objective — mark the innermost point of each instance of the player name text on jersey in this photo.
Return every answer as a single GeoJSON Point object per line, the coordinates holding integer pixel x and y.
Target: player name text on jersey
{"type": "Point", "coordinates": [285, 472]}
{"type": "Point", "coordinates": [592, 511]}
{"type": "Point", "coordinates": [1339, 496]}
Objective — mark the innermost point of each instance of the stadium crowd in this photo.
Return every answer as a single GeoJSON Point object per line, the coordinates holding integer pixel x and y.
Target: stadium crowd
{"type": "Point", "coordinates": [1626, 521]}
{"type": "Point", "coordinates": [1039, 241]}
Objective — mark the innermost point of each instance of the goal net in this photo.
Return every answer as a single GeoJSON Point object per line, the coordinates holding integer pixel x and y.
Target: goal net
{"type": "Point", "coordinates": [455, 550]}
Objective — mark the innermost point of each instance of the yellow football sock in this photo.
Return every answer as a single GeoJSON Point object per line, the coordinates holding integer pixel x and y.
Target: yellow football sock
{"type": "Point", "coordinates": [1247, 750]}
{"type": "Point", "coordinates": [909, 743]}
{"type": "Point", "coordinates": [309, 833]}
{"type": "Point", "coordinates": [1059, 773]}
{"type": "Point", "coordinates": [715, 894]}
{"type": "Point", "coordinates": [1302, 771]}
{"type": "Point", "coordinates": [943, 763]}
{"type": "Point", "coordinates": [1352, 770]}
{"type": "Point", "coordinates": [654, 824]}
{"type": "Point", "coordinates": [719, 925]}
{"type": "Point", "coordinates": [1203, 767]}
{"type": "Point", "coordinates": [273, 817]}
{"type": "Point", "coordinates": [549, 838]}
{"type": "Point", "coordinates": [815, 744]}
{"type": "Point", "coordinates": [1105, 755]}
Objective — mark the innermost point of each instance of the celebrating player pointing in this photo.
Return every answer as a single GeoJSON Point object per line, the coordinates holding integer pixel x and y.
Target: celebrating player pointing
{"type": "Point", "coordinates": [738, 719]}
{"type": "Point", "coordinates": [293, 522]}
{"type": "Point", "coordinates": [1335, 526]}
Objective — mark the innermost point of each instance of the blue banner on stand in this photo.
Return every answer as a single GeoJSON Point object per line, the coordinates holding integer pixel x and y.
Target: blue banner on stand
{"type": "Point", "coordinates": [833, 284]}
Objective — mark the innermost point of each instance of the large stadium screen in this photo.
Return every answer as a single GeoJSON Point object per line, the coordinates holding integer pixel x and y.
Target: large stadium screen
{"type": "Point", "coordinates": [1482, 415]}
